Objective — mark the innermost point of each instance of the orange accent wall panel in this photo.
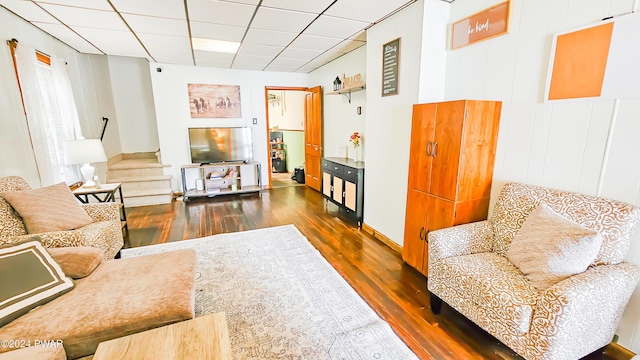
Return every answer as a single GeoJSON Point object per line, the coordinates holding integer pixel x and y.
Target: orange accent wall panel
{"type": "Point", "coordinates": [580, 63]}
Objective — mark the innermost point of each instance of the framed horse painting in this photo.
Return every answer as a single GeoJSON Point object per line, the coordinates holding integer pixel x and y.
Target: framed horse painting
{"type": "Point", "coordinates": [214, 101]}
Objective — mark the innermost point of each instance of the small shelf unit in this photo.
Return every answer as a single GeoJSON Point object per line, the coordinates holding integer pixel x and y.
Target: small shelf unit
{"type": "Point", "coordinates": [347, 91]}
{"type": "Point", "coordinates": [225, 178]}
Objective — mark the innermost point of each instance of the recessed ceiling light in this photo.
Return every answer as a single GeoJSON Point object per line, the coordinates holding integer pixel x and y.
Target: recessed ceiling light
{"type": "Point", "coordinates": [215, 45]}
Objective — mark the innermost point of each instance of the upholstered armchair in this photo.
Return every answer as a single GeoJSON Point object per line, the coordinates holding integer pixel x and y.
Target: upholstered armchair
{"type": "Point", "coordinates": [471, 268]}
{"type": "Point", "coordinates": [103, 232]}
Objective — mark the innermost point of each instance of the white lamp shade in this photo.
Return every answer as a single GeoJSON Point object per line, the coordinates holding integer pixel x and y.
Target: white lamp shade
{"type": "Point", "coordinates": [83, 151]}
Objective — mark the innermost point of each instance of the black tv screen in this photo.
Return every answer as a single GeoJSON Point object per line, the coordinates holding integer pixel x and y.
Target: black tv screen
{"type": "Point", "coordinates": [213, 145]}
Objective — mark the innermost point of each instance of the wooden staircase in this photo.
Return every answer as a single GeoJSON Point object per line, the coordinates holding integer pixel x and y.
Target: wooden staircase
{"type": "Point", "coordinates": [143, 180]}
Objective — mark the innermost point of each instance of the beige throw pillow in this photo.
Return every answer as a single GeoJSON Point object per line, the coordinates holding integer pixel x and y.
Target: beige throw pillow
{"type": "Point", "coordinates": [549, 248]}
{"type": "Point", "coordinates": [77, 261]}
{"type": "Point", "coordinates": [51, 208]}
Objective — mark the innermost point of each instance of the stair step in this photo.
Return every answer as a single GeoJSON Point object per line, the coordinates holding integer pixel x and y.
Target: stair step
{"type": "Point", "coordinates": [135, 172]}
{"type": "Point", "coordinates": [140, 179]}
{"type": "Point", "coordinates": [140, 155]}
{"type": "Point", "coordinates": [136, 164]}
{"type": "Point", "coordinates": [147, 200]}
{"type": "Point", "coordinates": [150, 192]}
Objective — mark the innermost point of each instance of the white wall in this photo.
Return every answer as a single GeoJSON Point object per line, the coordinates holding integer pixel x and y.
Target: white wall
{"type": "Point", "coordinates": [288, 114]}
{"type": "Point", "coordinates": [17, 157]}
{"type": "Point", "coordinates": [388, 126]}
{"type": "Point", "coordinates": [340, 117]}
{"type": "Point", "coordinates": [172, 108]}
{"type": "Point", "coordinates": [559, 145]}
{"type": "Point", "coordinates": [133, 98]}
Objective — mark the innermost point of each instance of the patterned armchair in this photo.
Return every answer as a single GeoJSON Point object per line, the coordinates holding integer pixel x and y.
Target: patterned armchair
{"type": "Point", "coordinates": [469, 270]}
{"type": "Point", "coordinates": [104, 233]}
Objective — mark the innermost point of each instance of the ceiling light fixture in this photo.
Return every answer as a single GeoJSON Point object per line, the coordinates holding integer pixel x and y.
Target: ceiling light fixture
{"type": "Point", "coordinates": [215, 45]}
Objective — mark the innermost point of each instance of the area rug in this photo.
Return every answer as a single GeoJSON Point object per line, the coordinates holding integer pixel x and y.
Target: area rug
{"type": "Point", "coordinates": [282, 299]}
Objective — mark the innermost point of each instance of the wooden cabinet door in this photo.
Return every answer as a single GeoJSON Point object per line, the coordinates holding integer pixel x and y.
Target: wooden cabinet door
{"type": "Point", "coordinates": [326, 184]}
{"type": "Point", "coordinates": [337, 189]}
{"type": "Point", "coordinates": [313, 137]}
{"type": "Point", "coordinates": [413, 249]}
{"type": "Point", "coordinates": [422, 134]}
{"type": "Point", "coordinates": [446, 149]}
{"type": "Point", "coordinates": [440, 214]}
{"type": "Point", "coordinates": [350, 195]}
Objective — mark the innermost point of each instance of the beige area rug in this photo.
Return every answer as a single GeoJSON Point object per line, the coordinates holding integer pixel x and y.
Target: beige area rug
{"type": "Point", "coordinates": [283, 300]}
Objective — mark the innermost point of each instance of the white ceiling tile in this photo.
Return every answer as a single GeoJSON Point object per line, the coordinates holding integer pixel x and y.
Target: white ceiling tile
{"type": "Point", "coordinates": [281, 68]}
{"type": "Point", "coordinates": [268, 37]}
{"type": "Point", "coordinates": [172, 56]}
{"type": "Point", "coordinates": [211, 56]}
{"type": "Point", "coordinates": [248, 2]}
{"type": "Point", "coordinates": [259, 50]}
{"type": "Point", "coordinates": [347, 46]}
{"type": "Point", "coordinates": [365, 10]}
{"type": "Point", "coordinates": [29, 11]}
{"type": "Point", "coordinates": [74, 16]}
{"type": "Point", "coordinates": [306, 69]}
{"type": "Point", "coordinates": [335, 27]}
{"type": "Point", "coordinates": [316, 6]}
{"type": "Point", "coordinates": [217, 31]}
{"type": "Point", "coordinates": [155, 25]}
{"type": "Point", "coordinates": [87, 4]}
{"type": "Point", "coordinates": [215, 64]}
{"type": "Point", "coordinates": [305, 41]}
{"type": "Point", "coordinates": [281, 61]}
{"type": "Point", "coordinates": [173, 9]}
{"type": "Point", "coordinates": [247, 67]}
{"type": "Point", "coordinates": [281, 20]}
{"type": "Point", "coordinates": [165, 41]}
{"type": "Point", "coordinates": [252, 60]}
{"type": "Point", "coordinates": [302, 54]}
{"type": "Point", "coordinates": [113, 42]}
{"type": "Point", "coordinates": [327, 57]}
{"type": "Point", "coordinates": [220, 12]}
{"type": "Point", "coordinates": [68, 37]}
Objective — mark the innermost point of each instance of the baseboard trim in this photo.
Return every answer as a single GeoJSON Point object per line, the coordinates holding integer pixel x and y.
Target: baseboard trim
{"type": "Point", "coordinates": [114, 159]}
{"type": "Point", "coordinates": [382, 238]}
{"type": "Point", "coordinates": [617, 351]}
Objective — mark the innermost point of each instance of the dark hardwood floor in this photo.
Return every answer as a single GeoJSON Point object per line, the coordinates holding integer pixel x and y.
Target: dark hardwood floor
{"type": "Point", "coordinates": [393, 289]}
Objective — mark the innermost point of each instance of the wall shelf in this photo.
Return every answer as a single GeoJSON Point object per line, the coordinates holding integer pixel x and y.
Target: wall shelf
{"type": "Point", "coordinates": [347, 91]}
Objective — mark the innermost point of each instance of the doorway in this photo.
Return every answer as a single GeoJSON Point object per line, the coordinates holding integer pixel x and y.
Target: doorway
{"type": "Point", "coordinates": [289, 131]}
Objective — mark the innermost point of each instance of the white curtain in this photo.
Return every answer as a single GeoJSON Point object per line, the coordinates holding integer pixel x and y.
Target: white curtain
{"type": "Point", "coordinates": [51, 111]}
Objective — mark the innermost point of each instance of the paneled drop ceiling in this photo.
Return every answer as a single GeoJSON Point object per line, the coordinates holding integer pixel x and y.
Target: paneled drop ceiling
{"type": "Point", "coordinates": [274, 35]}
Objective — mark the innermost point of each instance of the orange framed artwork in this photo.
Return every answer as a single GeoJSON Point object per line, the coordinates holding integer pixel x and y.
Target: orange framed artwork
{"type": "Point", "coordinates": [480, 26]}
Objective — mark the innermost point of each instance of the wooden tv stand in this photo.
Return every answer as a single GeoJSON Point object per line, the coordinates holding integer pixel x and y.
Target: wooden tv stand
{"type": "Point", "coordinates": [224, 178]}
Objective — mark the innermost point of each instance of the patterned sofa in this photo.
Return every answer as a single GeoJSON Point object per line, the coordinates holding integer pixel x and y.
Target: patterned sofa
{"type": "Point", "coordinates": [470, 271]}
{"type": "Point", "coordinates": [104, 233]}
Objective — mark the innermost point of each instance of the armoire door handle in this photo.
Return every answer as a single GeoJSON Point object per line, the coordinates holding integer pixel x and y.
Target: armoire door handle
{"type": "Point", "coordinates": [422, 234]}
{"type": "Point", "coordinates": [429, 148]}
{"type": "Point", "coordinates": [435, 148]}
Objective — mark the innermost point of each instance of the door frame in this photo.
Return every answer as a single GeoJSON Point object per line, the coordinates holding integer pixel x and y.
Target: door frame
{"type": "Point", "coordinates": [266, 108]}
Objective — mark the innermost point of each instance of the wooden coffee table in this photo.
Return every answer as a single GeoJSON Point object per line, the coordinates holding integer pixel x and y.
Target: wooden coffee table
{"type": "Point", "coordinates": [205, 337]}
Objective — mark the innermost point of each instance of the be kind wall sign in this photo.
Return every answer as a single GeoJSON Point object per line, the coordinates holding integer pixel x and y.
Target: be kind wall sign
{"type": "Point", "coordinates": [484, 25]}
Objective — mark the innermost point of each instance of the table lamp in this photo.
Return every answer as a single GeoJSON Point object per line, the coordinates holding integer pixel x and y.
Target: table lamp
{"type": "Point", "coordinates": [85, 152]}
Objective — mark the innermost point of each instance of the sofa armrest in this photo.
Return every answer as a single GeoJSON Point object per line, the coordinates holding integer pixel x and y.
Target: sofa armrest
{"type": "Point", "coordinates": [56, 238]}
{"type": "Point", "coordinates": [103, 211]}
{"type": "Point", "coordinates": [580, 314]}
{"type": "Point", "coordinates": [459, 240]}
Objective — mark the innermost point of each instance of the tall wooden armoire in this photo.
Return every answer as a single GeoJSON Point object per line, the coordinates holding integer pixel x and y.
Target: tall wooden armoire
{"type": "Point", "coordinates": [453, 146]}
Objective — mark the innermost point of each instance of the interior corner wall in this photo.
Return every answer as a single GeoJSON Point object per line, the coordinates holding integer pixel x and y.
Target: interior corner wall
{"type": "Point", "coordinates": [388, 123]}
{"type": "Point", "coordinates": [14, 134]}
{"type": "Point", "coordinates": [133, 99]}
{"type": "Point", "coordinates": [171, 101]}
{"type": "Point", "coordinates": [340, 118]}
{"type": "Point", "coordinates": [560, 144]}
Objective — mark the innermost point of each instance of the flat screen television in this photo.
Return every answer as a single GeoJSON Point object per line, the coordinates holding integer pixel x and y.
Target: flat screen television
{"type": "Point", "coordinates": [214, 145]}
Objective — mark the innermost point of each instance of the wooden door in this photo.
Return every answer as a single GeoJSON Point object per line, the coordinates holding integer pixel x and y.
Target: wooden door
{"type": "Point", "coordinates": [313, 137]}
{"type": "Point", "coordinates": [422, 134]}
{"type": "Point", "coordinates": [445, 152]}
{"type": "Point", "coordinates": [413, 249]}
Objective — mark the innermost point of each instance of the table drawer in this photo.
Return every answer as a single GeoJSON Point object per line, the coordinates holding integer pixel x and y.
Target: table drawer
{"type": "Point", "coordinates": [350, 174]}
{"type": "Point", "coordinates": [332, 167]}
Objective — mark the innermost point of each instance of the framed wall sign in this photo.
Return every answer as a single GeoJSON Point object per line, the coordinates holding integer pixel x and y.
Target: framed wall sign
{"type": "Point", "coordinates": [214, 101]}
{"type": "Point", "coordinates": [390, 61]}
{"type": "Point", "coordinates": [484, 25]}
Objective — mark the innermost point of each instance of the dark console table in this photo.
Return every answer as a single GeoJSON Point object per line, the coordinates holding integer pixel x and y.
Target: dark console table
{"type": "Point", "coordinates": [343, 184]}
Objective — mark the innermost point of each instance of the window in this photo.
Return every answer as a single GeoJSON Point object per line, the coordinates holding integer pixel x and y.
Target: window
{"type": "Point", "coordinates": [50, 109]}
